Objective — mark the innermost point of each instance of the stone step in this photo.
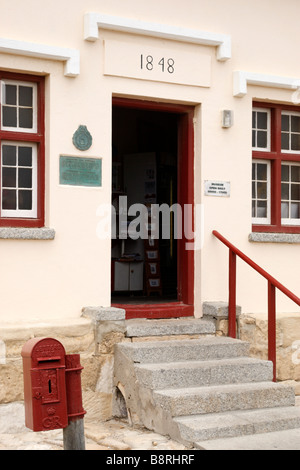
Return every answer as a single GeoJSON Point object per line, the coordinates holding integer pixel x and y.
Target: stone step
{"type": "Point", "coordinates": [279, 440]}
{"type": "Point", "coordinates": [207, 348]}
{"type": "Point", "coordinates": [174, 326]}
{"type": "Point", "coordinates": [239, 423]}
{"type": "Point", "coordinates": [223, 398]}
{"type": "Point", "coordinates": [203, 373]}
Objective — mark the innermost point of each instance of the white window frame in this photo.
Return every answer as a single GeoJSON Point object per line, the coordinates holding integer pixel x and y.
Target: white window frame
{"type": "Point", "coordinates": [268, 112]}
{"type": "Point", "coordinates": [17, 83]}
{"type": "Point", "coordinates": [290, 221]}
{"type": "Point", "coordinates": [290, 113]}
{"type": "Point", "coordinates": [263, 220]}
{"type": "Point", "coordinates": [18, 213]}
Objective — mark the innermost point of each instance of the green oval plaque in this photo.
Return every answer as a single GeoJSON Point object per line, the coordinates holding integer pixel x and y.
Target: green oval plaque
{"type": "Point", "coordinates": [82, 139]}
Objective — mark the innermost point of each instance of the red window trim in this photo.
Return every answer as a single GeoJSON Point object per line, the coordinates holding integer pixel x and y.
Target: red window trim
{"type": "Point", "coordinates": [39, 138]}
{"type": "Point", "coordinates": [276, 157]}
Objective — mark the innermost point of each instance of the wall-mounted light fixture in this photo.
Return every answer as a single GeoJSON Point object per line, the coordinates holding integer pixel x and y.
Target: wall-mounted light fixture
{"type": "Point", "coordinates": [227, 118]}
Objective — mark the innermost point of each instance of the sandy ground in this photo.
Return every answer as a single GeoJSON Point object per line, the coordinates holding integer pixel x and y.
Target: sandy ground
{"type": "Point", "coordinates": [109, 435]}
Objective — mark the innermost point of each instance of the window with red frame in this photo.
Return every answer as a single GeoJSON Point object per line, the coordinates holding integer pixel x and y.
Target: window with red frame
{"type": "Point", "coordinates": [22, 150]}
{"type": "Point", "coordinates": [275, 168]}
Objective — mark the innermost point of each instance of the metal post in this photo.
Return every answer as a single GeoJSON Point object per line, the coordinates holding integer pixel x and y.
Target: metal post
{"type": "Point", "coordinates": [232, 295]}
{"type": "Point", "coordinates": [73, 435]}
{"type": "Point", "coordinates": [272, 326]}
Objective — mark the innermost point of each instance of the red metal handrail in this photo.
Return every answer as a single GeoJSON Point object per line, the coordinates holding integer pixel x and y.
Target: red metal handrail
{"type": "Point", "coordinates": [272, 285]}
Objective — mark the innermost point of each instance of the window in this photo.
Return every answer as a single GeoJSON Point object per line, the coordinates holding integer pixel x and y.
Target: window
{"type": "Point", "coordinates": [22, 150]}
{"type": "Point", "coordinates": [276, 168]}
{"type": "Point", "coordinates": [261, 191]}
{"type": "Point", "coordinates": [260, 129]}
{"type": "Point", "coordinates": [290, 193]}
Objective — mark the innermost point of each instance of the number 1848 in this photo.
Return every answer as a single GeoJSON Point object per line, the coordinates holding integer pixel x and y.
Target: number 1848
{"type": "Point", "coordinates": [166, 65]}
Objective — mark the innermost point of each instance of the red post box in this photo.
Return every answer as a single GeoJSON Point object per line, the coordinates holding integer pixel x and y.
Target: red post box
{"type": "Point", "coordinates": [44, 368]}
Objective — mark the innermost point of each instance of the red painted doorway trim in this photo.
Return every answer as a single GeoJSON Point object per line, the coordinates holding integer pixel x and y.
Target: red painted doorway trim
{"type": "Point", "coordinates": [184, 306]}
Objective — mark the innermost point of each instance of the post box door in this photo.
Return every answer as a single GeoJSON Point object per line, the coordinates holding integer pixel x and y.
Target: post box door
{"type": "Point", "coordinates": [49, 399]}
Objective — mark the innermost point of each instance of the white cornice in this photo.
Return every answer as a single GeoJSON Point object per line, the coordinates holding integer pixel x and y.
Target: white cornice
{"type": "Point", "coordinates": [94, 21]}
{"type": "Point", "coordinates": [242, 79]}
{"type": "Point", "coordinates": [69, 56]}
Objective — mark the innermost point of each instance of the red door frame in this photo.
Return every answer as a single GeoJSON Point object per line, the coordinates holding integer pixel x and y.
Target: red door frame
{"type": "Point", "coordinates": [184, 306]}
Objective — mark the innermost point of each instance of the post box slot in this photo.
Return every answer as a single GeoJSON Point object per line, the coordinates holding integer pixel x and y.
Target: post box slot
{"type": "Point", "coordinates": [48, 359]}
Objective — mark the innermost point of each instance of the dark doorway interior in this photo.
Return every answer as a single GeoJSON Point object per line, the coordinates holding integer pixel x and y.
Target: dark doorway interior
{"type": "Point", "coordinates": [145, 169]}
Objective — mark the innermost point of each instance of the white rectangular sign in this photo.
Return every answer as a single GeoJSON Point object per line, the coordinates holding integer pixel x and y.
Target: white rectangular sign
{"type": "Point", "coordinates": [217, 188]}
{"type": "Point", "coordinates": [157, 63]}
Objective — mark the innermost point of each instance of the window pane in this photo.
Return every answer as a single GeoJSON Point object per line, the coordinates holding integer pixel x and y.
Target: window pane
{"type": "Point", "coordinates": [295, 173]}
{"type": "Point", "coordinates": [285, 173]}
{"type": "Point", "coordinates": [254, 119]}
{"type": "Point", "coordinates": [25, 200]}
{"type": "Point", "coordinates": [25, 118]}
{"type": "Point", "coordinates": [295, 127]}
{"type": "Point", "coordinates": [9, 116]}
{"type": "Point", "coordinates": [262, 139]}
{"type": "Point", "coordinates": [10, 94]}
{"type": "Point", "coordinates": [25, 178]}
{"type": "Point", "coordinates": [253, 139]}
{"type": "Point", "coordinates": [295, 192]}
{"type": "Point", "coordinates": [295, 141]}
{"type": "Point", "coordinates": [262, 121]}
{"type": "Point", "coordinates": [262, 190]}
{"type": "Point", "coordinates": [9, 177]}
{"type": "Point", "coordinates": [295, 210]}
{"type": "Point", "coordinates": [25, 156]}
{"type": "Point", "coordinates": [285, 210]}
{"type": "Point", "coordinates": [261, 172]}
{"type": "Point", "coordinates": [284, 141]}
{"type": "Point", "coordinates": [285, 194]}
{"type": "Point", "coordinates": [9, 199]}
{"type": "Point", "coordinates": [25, 96]}
{"type": "Point", "coordinates": [9, 155]}
{"type": "Point", "coordinates": [261, 208]}
{"type": "Point", "coordinates": [285, 122]}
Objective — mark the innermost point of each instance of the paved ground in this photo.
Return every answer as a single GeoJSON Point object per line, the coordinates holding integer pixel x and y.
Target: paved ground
{"type": "Point", "coordinates": [109, 435]}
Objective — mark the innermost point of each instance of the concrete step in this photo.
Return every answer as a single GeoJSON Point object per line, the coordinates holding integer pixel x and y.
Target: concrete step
{"type": "Point", "coordinates": [173, 326]}
{"type": "Point", "coordinates": [223, 398]}
{"type": "Point", "coordinates": [206, 348]}
{"type": "Point", "coordinates": [203, 373]}
{"type": "Point", "coordinates": [279, 440]}
{"type": "Point", "coordinates": [239, 423]}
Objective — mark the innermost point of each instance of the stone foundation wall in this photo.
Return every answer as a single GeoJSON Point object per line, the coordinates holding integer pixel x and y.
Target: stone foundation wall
{"type": "Point", "coordinates": [92, 336]}
{"type": "Point", "coordinates": [254, 329]}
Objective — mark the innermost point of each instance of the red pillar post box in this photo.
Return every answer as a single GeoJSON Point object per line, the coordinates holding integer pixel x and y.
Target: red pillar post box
{"type": "Point", "coordinates": [44, 371]}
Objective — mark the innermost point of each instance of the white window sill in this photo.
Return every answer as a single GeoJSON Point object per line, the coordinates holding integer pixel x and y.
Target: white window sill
{"type": "Point", "coordinates": [259, 237]}
{"type": "Point", "coordinates": [16, 233]}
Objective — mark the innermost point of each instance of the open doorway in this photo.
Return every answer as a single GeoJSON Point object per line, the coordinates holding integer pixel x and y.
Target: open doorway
{"type": "Point", "coordinates": [150, 148]}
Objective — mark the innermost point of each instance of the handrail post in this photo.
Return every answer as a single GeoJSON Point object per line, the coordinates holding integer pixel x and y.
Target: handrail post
{"type": "Point", "coordinates": [232, 295]}
{"type": "Point", "coordinates": [273, 284]}
{"type": "Point", "coordinates": [272, 326]}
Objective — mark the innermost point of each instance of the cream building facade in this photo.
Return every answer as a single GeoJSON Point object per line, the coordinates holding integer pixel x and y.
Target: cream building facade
{"type": "Point", "coordinates": [195, 103]}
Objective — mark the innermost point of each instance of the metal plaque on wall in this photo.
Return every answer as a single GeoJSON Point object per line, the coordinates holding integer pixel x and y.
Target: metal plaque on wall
{"type": "Point", "coordinates": [77, 171]}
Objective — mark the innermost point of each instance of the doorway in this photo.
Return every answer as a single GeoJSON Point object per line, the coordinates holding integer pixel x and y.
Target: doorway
{"type": "Point", "coordinates": [152, 273]}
